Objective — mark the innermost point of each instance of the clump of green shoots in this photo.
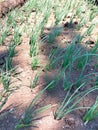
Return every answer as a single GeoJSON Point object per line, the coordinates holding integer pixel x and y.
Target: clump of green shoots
{"type": "Point", "coordinates": [93, 14]}
{"type": "Point", "coordinates": [8, 63]}
{"type": "Point", "coordinates": [3, 101]}
{"type": "Point", "coordinates": [4, 92]}
{"type": "Point", "coordinates": [89, 30]}
{"type": "Point", "coordinates": [82, 61]}
{"type": "Point", "coordinates": [53, 34]}
{"type": "Point", "coordinates": [8, 59]}
{"type": "Point", "coordinates": [39, 27]}
{"type": "Point", "coordinates": [16, 37]}
{"type": "Point", "coordinates": [11, 19]}
{"type": "Point", "coordinates": [4, 35]}
{"type": "Point", "coordinates": [92, 113]}
{"type": "Point", "coordinates": [34, 63]}
{"type": "Point", "coordinates": [5, 80]}
{"type": "Point", "coordinates": [82, 22]}
{"type": "Point", "coordinates": [70, 102]}
{"type": "Point", "coordinates": [29, 6]}
{"type": "Point", "coordinates": [61, 13]}
{"type": "Point", "coordinates": [34, 39]}
{"type": "Point", "coordinates": [11, 50]}
{"type": "Point", "coordinates": [34, 82]}
{"type": "Point", "coordinates": [31, 112]}
{"type": "Point", "coordinates": [94, 50]}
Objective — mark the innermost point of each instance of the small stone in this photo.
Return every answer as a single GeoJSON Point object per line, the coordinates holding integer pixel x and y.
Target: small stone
{"type": "Point", "coordinates": [63, 127]}
{"type": "Point", "coordinates": [92, 69]}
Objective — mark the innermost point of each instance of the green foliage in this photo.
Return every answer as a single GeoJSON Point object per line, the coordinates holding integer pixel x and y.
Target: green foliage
{"type": "Point", "coordinates": [3, 101]}
{"type": "Point", "coordinates": [70, 102]}
{"type": "Point", "coordinates": [5, 80]}
{"type": "Point", "coordinates": [31, 113]}
{"type": "Point", "coordinates": [4, 35]}
{"type": "Point", "coordinates": [34, 63]}
{"type": "Point", "coordinates": [92, 113]}
{"type": "Point", "coordinates": [53, 34]}
{"type": "Point", "coordinates": [8, 63]}
{"type": "Point", "coordinates": [34, 82]}
{"type": "Point", "coordinates": [94, 50]}
{"type": "Point", "coordinates": [73, 58]}
{"type": "Point", "coordinates": [11, 50]}
{"type": "Point", "coordinates": [89, 30]}
{"type": "Point", "coordinates": [17, 37]}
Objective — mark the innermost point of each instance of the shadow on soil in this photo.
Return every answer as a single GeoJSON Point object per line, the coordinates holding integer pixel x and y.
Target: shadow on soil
{"type": "Point", "coordinates": [3, 55]}
{"type": "Point", "coordinates": [7, 119]}
{"type": "Point", "coordinates": [55, 95]}
{"type": "Point", "coordinates": [57, 39]}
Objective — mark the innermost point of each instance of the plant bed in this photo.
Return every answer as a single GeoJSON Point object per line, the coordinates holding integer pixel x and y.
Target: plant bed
{"type": "Point", "coordinates": [49, 66]}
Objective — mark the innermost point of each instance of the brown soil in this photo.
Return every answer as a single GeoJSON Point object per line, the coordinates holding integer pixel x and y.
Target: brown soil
{"type": "Point", "coordinates": [7, 5]}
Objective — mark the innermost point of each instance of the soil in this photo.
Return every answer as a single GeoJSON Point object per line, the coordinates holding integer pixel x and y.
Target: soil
{"type": "Point", "coordinates": [7, 5]}
{"type": "Point", "coordinates": [22, 94]}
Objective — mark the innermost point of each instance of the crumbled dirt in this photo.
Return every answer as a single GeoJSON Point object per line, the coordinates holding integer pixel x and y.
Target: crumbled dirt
{"type": "Point", "coordinates": [7, 5]}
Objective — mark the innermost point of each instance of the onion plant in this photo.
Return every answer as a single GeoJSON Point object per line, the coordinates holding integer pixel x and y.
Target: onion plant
{"type": "Point", "coordinates": [70, 102]}
{"type": "Point", "coordinates": [61, 13]}
{"type": "Point", "coordinates": [53, 34]}
{"type": "Point", "coordinates": [31, 112]}
{"type": "Point", "coordinates": [92, 113]}
{"type": "Point", "coordinates": [93, 14]}
{"type": "Point", "coordinates": [94, 50]}
{"type": "Point", "coordinates": [34, 82]}
{"type": "Point", "coordinates": [3, 100]}
{"type": "Point", "coordinates": [4, 35]}
{"type": "Point", "coordinates": [89, 30]}
{"type": "Point", "coordinates": [29, 6]}
{"type": "Point", "coordinates": [5, 80]}
{"type": "Point", "coordinates": [16, 37]}
{"type": "Point", "coordinates": [34, 63]}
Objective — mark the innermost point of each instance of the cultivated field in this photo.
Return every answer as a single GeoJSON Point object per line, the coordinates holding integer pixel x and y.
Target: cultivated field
{"type": "Point", "coordinates": [49, 65]}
